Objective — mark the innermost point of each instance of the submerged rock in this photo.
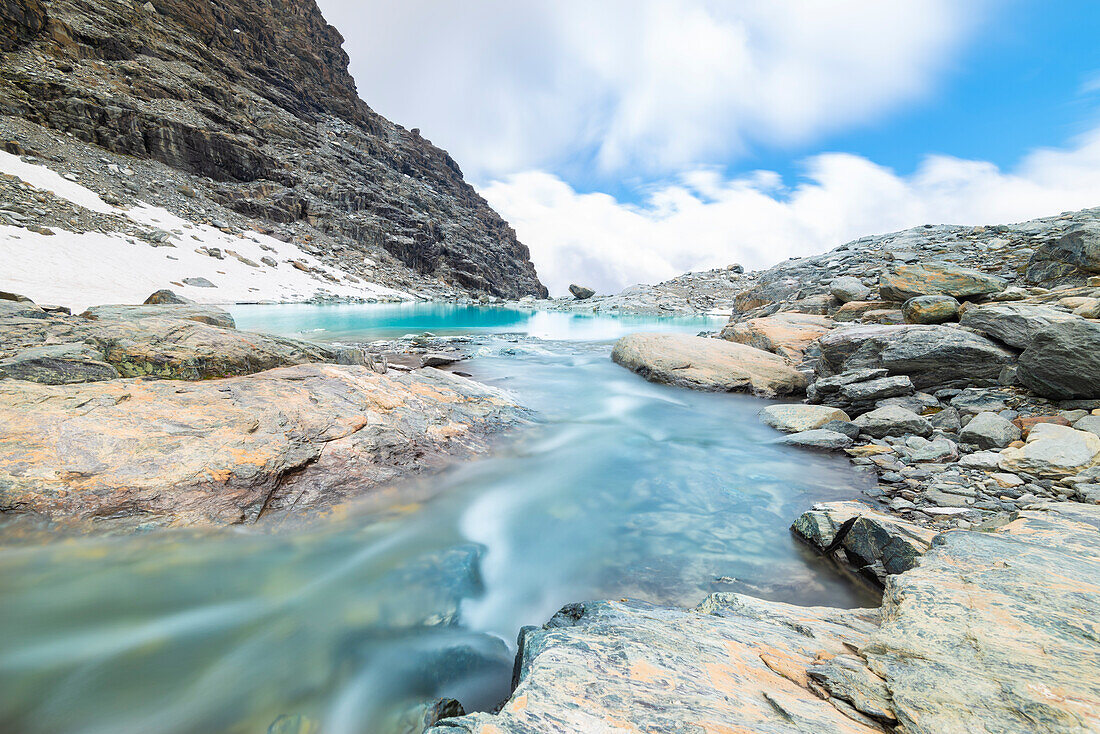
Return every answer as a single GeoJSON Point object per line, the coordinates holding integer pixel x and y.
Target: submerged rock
{"type": "Point", "coordinates": [707, 364]}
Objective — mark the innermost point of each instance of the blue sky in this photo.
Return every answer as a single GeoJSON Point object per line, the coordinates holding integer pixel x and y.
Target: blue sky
{"type": "Point", "coordinates": [629, 140]}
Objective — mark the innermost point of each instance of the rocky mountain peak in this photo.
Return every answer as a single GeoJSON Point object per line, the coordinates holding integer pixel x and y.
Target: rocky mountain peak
{"type": "Point", "coordinates": [254, 98]}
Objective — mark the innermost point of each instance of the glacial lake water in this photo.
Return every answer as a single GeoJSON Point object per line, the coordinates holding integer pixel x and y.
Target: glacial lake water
{"type": "Point", "coordinates": [621, 488]}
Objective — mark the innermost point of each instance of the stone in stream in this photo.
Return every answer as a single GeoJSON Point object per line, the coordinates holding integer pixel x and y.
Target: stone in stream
{"type": "Point", "coordinates": [1063, 361]}
{"type": "Point", "coordinates": [707, 364]}
{"type": "Point", "coordinates": [1053, 451]}
{"type": "Point", "coordinates": [932, 356]}
{"type": "Point", "coordinates": [796, 417]}
{"type": "Point", "coordinates": [580, 292]}
{"type": "Point", "coordinates": [871, 539]}
{"type": "Point", "coordinates": [818, 438]}
{"type": "Point", "coordinates": [786, 334]}
{"type": "Point", "coordinates": [227, 451]}
{"type": "Point", "coordinates": [989, 431]}
{"type": "Point", "coordinates": [937, 278]}
{"type": "Point", "coordinates": [990, 631]}
{"type": "Point", "coordinates": [930, 309]}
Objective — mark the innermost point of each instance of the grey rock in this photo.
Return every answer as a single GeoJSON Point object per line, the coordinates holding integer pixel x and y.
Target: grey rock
{"type": "Point", "coordinates": [187, 311]}
{"type": "Point", "coordinates": [849, 429]}
{"type": "Point", "coordinates": [893, 421]}
{"type": "Point", "coordinates": [1014, 324]}
{"type": "Point", "coordinates": [1069, 258]}
{"type": "Point", "coordinates": [937, 278]}
{"type": "Point", "coordinates": [580, 292]}
{"type": "Point", "coordinates": [848, 288]}
{"type": "Point", "coordinates": [58, 364]}
{"type": "Point", "coordinates": [1063, 361]}
{"type": "Point", "coordinates": [989, 431]}
{"type": "Point", "coordinates": [818, 438]}
{"type": "Point", "coordinates": [165, 296]}
{"type": "Point", "coordinates": [930, 309]}
{"type": "Point", "coordinates": [1090, 423]}
{"type": "Point", "coordinates": [932, 356]}
{"type": "Point", "coordinates": [946, 420]}
{"type": "Point", "coordinates": [199, 282]}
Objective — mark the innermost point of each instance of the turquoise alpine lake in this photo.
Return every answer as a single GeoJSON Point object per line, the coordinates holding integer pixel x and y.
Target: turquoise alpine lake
{"type": "Point", "coordinates": [356, 621]}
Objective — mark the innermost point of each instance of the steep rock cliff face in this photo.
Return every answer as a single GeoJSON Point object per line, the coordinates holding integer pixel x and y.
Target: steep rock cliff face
{"type": "Point", "coordinates": [254, 97]}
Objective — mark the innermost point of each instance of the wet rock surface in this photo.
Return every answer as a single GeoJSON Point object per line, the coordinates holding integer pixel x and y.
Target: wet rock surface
{"type": "Point", "coordinates": [707, 364]}
{"type": "Point", "coordinates": [231, 450]}
{"type": "Point", "coordinates": [977, 629]}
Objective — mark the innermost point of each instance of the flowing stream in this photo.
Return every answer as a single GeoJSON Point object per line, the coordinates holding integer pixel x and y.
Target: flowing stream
{"type": "Point", "coordinates": [350, 624]}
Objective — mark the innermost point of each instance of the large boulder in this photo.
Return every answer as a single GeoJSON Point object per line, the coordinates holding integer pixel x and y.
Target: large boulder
{"type": "Point", "coordinates": [188, 311]}
{"type": "Point", "coordinates": [989, 431]}
{"type": "Point", "coordinates": [795, 417]}
{"type": "Point", "coordinates": [733, 664]}
{"type": "Point", "coordinates": [1063, 361]}
{"type": "Point", "coordinates": [932, 356]}
{"type": "Point", "coordinates": [1053, 451]}
{"type": "Point", "coordinates": [707, 364]}
{"type": "Point", "coordinates": [857, 391]}
{"type": "Point", "coordinates": [930, 309]}
{"type": "Point", "coordinates": [227, 451]}
{"type": "Point", "coordinates": [995, 631]}
{"type": "Point", "coordinates": [189, 350]}
{"type": "Point", "coordinates": [874, 542]}
{"type": "Point", "coordinates": [893, 421]}
{"type": "Point", "coordinates": [935, 279]}
{"type": "Point", "coordinates": [58, 364]}
{"type": "Point", "coordinates": [580, 292]}
{"type": "Point", "coordinates": [990, 631]}
{"type": "Point", "coordinates": [1069, 258]}
{"type": "Point", "coordinates": [847, 288]}
{"type": "Point", "coordinates": [1014, 324]}
{"type": "Point", "coordinates": [786, 334]}
{"type": "Point", "coordinates": [818, 438]}
{"type": "Point", "coordinates": [165, 296]}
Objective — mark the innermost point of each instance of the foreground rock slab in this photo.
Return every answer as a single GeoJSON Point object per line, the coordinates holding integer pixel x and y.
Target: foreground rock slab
{"type": "Point", "coordinates": [615, 667]}
{"type": "Point", "coordinates": [992, 631]}
{"type": "Point", "coordinates": [228, 451]}
{"type": "Point", "coordinates": [707, 364]}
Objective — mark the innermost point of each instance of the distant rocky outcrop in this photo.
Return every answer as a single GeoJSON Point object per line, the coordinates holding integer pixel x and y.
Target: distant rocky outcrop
{"type": "Point", "coordinates": [255, 100]}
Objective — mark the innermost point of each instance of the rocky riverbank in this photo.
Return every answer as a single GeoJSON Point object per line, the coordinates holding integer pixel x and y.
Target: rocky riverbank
{"type": "Point", "coordinates": [165, 414]}
{"type": "Point", "coordinates": [959, 364]}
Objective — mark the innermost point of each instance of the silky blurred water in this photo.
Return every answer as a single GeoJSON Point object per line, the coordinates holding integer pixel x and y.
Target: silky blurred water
{"type": "Point", "coordinates": [622, 488]}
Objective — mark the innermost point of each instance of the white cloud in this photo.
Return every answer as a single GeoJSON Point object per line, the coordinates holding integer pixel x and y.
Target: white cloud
{"type": "Point", "coordinates": [704, 221]}
{"type": "Point", "coordinates": [649, 86]}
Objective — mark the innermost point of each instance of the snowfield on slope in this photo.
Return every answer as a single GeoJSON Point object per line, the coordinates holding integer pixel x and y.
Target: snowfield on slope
{"type": "Point", "coordinates": [81, 269]}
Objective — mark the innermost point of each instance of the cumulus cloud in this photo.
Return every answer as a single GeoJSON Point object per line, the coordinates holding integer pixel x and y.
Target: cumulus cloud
{"type": "Point", "coordinates": [705, 221]}
{"type": "Point", "coordinates": [645, 86]}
